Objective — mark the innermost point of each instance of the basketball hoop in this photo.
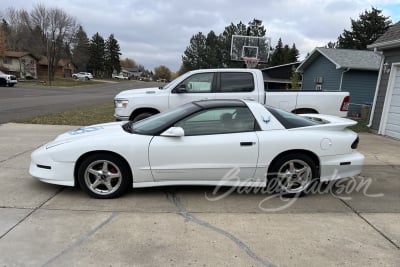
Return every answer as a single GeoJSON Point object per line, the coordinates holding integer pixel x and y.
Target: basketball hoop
{"type": "Point", "coordinates": [251, 62]}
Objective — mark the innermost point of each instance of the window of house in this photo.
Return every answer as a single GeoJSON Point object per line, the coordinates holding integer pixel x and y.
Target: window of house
{"type": "Point", "coordinates": [7, 60]}
{"type": "Point", "coordinates": [236, 82]}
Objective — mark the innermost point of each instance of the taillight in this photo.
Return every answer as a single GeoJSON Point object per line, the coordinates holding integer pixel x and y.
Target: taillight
{"type": "Point", "coordinates": [345, 104]}
{"type": "Point", "coordinates": [355, 143]}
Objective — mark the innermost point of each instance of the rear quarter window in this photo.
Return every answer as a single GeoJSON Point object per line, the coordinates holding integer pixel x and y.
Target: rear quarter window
{"type": "Point", "coordinates": [236, 82]}
{"type": "Point", "coordinates": [290, 120]}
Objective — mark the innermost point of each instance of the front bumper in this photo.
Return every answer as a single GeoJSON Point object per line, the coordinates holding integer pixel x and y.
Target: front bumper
{"type": "Point", "coordinates": [341, 166]}
{"type": "Point", "coordinates": [44, 168]}
{"type": "Point", "coordinates": [121, 118]}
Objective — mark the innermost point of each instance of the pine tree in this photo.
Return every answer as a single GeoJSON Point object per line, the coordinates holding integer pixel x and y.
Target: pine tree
{"type": "Point", "coordinates": [365, 30]}
{"type": "Point", "coordinates": [112, 53]}
{"type": "Point", "coordinates": [96, 55]}
{"type": "Point", "coordinates": [80, 52]}
{"type": "Point", "coordinates": [194, 55]}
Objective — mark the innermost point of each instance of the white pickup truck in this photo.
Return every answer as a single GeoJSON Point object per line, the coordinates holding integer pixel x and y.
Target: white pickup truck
{"type": "Point", "coordinates": [137, 104]}
{"type": "Point", "coordinates": [7, 80]}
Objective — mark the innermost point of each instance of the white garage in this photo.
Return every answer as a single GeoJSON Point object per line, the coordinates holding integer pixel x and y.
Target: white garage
{"type": "Point", "coordinates": [391, 110]}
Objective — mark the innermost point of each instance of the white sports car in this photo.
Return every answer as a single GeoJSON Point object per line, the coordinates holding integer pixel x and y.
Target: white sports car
{"type": "Point", "coordinates": [211, 142]}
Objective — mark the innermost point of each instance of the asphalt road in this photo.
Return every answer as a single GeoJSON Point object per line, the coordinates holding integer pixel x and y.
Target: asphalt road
{"type": "Point", "coordinates": [24, 101]}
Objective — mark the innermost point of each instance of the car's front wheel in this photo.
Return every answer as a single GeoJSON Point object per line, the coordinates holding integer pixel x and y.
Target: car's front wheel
{"type": "Point", "coordinates": [104, 176]}
{"type": "Point", "coordinates": [292, 174]}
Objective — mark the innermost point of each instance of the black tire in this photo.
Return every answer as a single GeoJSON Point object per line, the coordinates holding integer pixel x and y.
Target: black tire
{"type": "Point", "coordinates": [3, 82]}
{"type": "Point", "coordinates": [287, 170]}
{"type": "Point", "coordinates": [11, 85]}
{"type": "Point", "coordinates": [104, 176]}
{"type": "Point", "coordinates": [142, 116]}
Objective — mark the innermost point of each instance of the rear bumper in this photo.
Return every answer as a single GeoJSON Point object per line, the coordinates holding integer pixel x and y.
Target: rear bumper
{"type": "Point", "coordinates": [341, 166]}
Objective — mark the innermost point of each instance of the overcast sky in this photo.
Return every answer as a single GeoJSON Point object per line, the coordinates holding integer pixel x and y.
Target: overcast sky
{"type": "Point", "coordinates": [157, 32]}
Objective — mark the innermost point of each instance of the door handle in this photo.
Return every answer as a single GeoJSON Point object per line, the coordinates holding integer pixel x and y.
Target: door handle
{"type": "Point", "coordinates": [247, 143]}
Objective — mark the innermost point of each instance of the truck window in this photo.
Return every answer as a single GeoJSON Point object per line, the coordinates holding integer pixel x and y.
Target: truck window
{"type": "Point", "coordinates": [199, 83]}
{"type": "Point", "coordinates": [236, 82]}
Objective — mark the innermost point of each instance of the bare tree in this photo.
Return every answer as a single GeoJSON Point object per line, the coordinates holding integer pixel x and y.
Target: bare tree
{"type": "Point", "coordinates": [43, 31]}
{"type": "Point", "coordinates": [58, 30]}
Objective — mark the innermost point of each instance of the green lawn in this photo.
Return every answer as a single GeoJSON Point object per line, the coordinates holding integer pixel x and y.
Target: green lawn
{"type": "Point", "coordinates": [61, 82]}
{"type": "Point", "coordinates": [361, 126]}
{"type": "Point", "coordinates": [80, 116]}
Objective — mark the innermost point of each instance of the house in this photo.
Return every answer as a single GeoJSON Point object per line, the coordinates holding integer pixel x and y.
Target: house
{"type": "Point", "coordinates": [131, 73]}
{"type": "Point", "coordinates": [354, 71]}
{"type": "Point", "coordinates": [21, 64]}
{"type": "Point", "coordinates": [385, 113]}
{"type": "Point", "coordinates": [64, 68]}
{"type": "Point", "coordinates": [279, 77]}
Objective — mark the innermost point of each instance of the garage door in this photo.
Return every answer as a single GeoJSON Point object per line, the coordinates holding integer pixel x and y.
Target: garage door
{"type": "Point", "coordinates": [392, 127]}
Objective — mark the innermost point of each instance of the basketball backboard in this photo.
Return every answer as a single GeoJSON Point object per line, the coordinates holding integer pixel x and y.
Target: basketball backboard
{"type": "Point", "coordinates": [250, 47]}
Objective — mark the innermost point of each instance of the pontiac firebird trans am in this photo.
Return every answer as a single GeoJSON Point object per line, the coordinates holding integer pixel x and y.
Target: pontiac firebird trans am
{"type": "Point", "coordinates": [200, 143]}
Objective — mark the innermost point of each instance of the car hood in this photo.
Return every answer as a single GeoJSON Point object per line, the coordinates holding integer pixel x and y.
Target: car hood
{"type": "Point", "coordinates": [87, 132]}
{"type": "Point", "coordinates": [139, 92]}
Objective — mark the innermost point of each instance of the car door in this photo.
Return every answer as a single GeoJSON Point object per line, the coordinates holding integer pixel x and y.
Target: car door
{"type": "Point", "coordinates": [199, 86]}
{"type": "Point", "coordinates": [215, 146]}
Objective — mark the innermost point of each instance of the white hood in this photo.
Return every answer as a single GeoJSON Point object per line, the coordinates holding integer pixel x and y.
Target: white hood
{"type": "Point", "coordinates": [139, 92]}
{"type": "Point", "coordinates": [88, 132]}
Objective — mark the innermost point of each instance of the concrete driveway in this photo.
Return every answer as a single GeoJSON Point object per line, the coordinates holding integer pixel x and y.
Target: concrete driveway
{"type": "Point", "coordinates": [47, 225]}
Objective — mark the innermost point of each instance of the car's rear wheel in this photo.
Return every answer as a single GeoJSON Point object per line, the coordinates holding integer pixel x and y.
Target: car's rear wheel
{"type": "Point", "coordinates": [104, 176]}
{"type": "Point", "coordinates": [292, 174]}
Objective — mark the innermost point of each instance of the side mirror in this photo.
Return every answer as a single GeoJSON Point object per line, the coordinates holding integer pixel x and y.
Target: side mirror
{"type": "Point", "coordinates": [180, 89]}
{"type": "Point", "coordinates": [174, 132]}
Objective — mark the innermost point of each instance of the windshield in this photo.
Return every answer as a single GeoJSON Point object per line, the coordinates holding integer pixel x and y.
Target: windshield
{"type": "Point", "coordinates": [168, 85]}
{"type": "Point", "coordinates": [290, 120]}
{"type": "Point", "coordinates": [160, 122]}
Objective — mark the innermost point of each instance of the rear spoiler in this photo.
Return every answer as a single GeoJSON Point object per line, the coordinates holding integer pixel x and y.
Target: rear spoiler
{"type": "Point", "coordinates": [329, 122]}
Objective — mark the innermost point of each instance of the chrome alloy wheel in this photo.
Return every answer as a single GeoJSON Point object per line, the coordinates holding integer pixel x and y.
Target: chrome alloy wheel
{"type": "Point", "coordinates": [294, 176]}
{"type": "Point", "coordinates": [103, 177]}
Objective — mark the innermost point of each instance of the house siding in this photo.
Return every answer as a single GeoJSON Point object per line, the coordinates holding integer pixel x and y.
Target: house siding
{"type": "Point", "coordinates": [322, 67]}
{"type": "Point", "coordinates": [361, 85]}
{"type": "Point", "coordinates": [391, 56]}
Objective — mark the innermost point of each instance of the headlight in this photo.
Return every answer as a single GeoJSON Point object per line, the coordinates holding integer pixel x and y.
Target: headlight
{"type": "Point", "coordinates": [121, 103]}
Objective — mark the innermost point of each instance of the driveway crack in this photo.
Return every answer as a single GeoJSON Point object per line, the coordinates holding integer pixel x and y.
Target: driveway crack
{"type": "Point", "coordinates": [370, 224]}
{"type": "Point", "coordinates": [172, 197]}
{"type": "Point", "coordinates": [31, 212]}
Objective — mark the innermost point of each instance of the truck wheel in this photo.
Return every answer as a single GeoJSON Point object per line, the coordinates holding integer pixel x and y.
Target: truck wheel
{"type": "Point", "coordinates": [11, 85]}
{"type": "Point", "coordinates": [142, 116]}
{"type": "Point", "coordinates": [292, 174]}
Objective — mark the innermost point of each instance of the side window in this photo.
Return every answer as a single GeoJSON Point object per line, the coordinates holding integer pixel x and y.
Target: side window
{"type": "Point", "coordinates": [198, 83]}
{"type": "Point", "coordinates": [236, 82]}
{"type": "Point", "coordinates": [218, 121]}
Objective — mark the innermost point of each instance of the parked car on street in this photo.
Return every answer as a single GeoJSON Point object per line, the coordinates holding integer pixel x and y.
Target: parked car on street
{"type": "Point", "coordinates": [121, 77]}
{"type": "Point", "coordinates": [200, 143]}
{"type": "Point", "coordinates": [82, 75]}
{"type": "Point", "coordinates": [7, 79]}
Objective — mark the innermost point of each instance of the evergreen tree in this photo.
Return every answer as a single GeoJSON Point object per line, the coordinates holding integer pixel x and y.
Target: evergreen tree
{"type": "Point", "coordinates": [365, 30]}
{"type": "Point", "coordinates": [112, 53]}
{"type": "Point", "coordinates": [96, 55]}
{"type": "Point", "coordinates": [80, 52]}
{"type": "Point", "coordinates": [213, 55]}
{"type": "Point", "coordinates": [194, 55]}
